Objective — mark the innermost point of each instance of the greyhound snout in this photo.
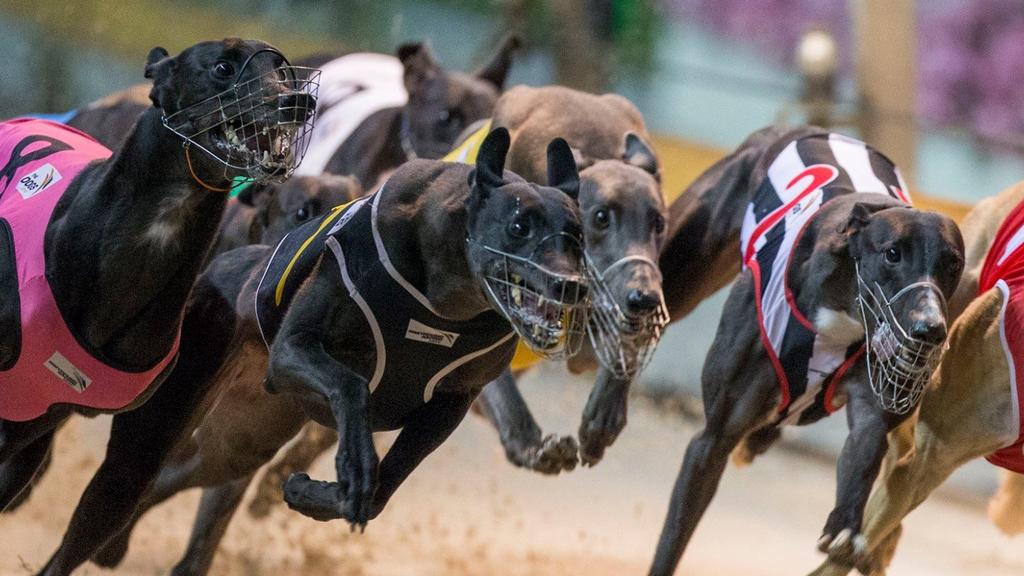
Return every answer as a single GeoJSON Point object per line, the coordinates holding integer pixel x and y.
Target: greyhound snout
{"type": "Point", "coordinates": [642, 301]}
{"type": "Point", "coordinates": [928, 318]}
{"type": "Point", "coordinates": [295, 106]}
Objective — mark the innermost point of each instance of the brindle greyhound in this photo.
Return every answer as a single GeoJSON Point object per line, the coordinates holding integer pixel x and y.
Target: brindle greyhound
{"type": "Point", "coordinates": [442, 231]}
{"type": "Point", "coordinates": [624, 226]}
{"type": "Point", "coordinates": [861, 254]}
{"type": "Point", "coordinates": [971, 408]}
{"type": "Point", "coordinates": [130, 234]}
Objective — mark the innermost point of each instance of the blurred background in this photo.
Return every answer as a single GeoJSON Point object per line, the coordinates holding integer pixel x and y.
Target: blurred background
{"type": "Point", "coordinates": [933, 83]}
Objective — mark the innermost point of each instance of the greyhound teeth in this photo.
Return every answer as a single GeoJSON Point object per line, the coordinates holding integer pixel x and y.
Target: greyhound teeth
{"type": "Point", "coordinates": [517, 296]}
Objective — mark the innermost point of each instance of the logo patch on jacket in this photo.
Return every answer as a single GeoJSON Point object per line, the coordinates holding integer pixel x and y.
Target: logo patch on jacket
{"type": "Point", "coordinates": [423, 333]}
{"type": "Point", "coordinates": [37, 181]}
{"type": "Point", "coordinates": [67, 372]}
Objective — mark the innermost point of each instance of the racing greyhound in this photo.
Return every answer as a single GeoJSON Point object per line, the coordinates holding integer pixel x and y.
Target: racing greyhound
{"type": "Point", "coordinates": [841, 301]}
{"type": "Point", "coordinates": [101, 253]}
{"type": "Point", "coordinates": [971, 408]}
{"type": "Point", "coordinates": [390, 313]}
{"type": "Point", "coordinates": [624, 221]}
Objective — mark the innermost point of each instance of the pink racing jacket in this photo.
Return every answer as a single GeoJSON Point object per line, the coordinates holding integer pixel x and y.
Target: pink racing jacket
{"type": "Point", "coordinates": [1004, 269]}
{"type": "Point", "coordinates": [38, 161]}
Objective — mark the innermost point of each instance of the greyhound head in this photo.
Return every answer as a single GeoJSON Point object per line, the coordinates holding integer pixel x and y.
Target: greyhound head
{"type": "Point", "coordinates": [443, 104]}
{"type": "Point", "coordinates": [525, 244]}
{"type": "Point", "coordinates": [239, 102]}
{"type": "Point", "coordinates": [624, 216]}
{"type": "Point", "coordinates": [907, 264]}
{"type": "Point", "coordinates": [282, 207]}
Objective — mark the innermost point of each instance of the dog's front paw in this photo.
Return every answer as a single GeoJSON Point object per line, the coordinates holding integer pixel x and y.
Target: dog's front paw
{"type": "Point", "coordinates": [599, 430]}
{"type": "Point", "coordinates": [847, 547]}
{"type": "Point", "coordinates": [554, 455]}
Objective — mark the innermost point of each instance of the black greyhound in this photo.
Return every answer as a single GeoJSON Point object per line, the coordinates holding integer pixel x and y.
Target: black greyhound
{"type": "Point", "coordinates": [453, 242]}
{"type": "Point", "coordinates": [624, 225]}
{"type": "Point", "coordinates": [129, 234]}
{"type": "Point", "coordinates": [825, 238]}
{"type": "Point", "coordinates": [434, 107]}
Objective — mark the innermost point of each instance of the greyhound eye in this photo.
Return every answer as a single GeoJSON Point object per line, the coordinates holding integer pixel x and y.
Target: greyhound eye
{"type": "Point", "coordinates": [893, 255]}
{"type": "Point", "coordinates": [302, 214]}
{"type": "Point", "coordinates": [519, 228]}
{"type": "Point", "coordinates": [223, 70]}
{"type": "Point", "coordinates": [659, 224]}
{"type": "Point", "coordinates": [602, 218]}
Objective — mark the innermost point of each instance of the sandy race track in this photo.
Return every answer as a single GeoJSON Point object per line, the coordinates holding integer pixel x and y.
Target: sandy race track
{"type": "Point", "coordinates": [467, 512]}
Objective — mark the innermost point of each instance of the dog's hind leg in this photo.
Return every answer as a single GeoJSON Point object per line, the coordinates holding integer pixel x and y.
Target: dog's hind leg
{"type": "Point", "coordinates": [17, 472]}
{"type": "Point", "coordinates": [241, 433]}
{"type": "Point", "coordinates": [525, 446]}
{"type": "Point", "coordinates": [740, 392]}
{"type": "Point", "coordinates": [312, 441]}
{"type": "Point", "coordinates": [216, 509]}
{"type": "Point", "coordinates": [966, 413]}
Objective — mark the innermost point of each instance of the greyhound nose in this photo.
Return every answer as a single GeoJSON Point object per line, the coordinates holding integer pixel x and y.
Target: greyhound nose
{"type": "Point", "coordinates": [931, 332]}
{"type": "Point", "coordinates": [641, 302]}
{"type": "Point", "coordinates": [296, 106]}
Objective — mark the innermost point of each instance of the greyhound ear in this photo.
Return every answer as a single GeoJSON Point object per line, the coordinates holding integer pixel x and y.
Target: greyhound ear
{"type": "Point", "coordinates": [857, 220]}
{"type": "Point", "coordinates": [562, 172]}
{"type": "Point", "coordinates": [638, 153]}
{"type": "Point", "coordinates": [419, 64]}
{"type": "Point", "coordinates": [159, 68]}
{"type": "Point", "coordinates": [490, 160]}
{"type": "Point", "coordinates": [495, 71]}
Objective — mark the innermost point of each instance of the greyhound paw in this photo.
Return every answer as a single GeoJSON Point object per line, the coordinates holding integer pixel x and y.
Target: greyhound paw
{"type": "Point", "coordinates": [848, 548]}
{"type": "Point", "coordinates": [599, 432]}
{"type": "Point", "coordinates": [554, 455]}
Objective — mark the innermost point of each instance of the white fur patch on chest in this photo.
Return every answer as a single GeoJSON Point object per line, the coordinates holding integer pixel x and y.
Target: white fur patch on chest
{"type": "Point", "coordinates": [838, 326]}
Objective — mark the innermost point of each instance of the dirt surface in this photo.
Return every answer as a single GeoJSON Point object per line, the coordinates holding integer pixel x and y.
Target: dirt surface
{"type": "Point", "coordinates": [467, 512]}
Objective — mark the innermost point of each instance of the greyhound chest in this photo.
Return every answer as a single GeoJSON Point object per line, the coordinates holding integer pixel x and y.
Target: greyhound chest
{"type": "Point", "coordinates": [807, 173]}
{"type": "Point", "coordinates": [42, 363]}
{"type": "Point", "coordinates": [1004, 269]}
{"type": "Point", "coordinates": [416, 348]}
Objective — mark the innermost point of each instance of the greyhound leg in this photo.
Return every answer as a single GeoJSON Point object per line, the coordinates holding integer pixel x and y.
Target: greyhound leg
{"type": "Point", "coordinates": [22, 498]}
{"type": "Point", "coordinates": [604, 416]}
{"type": "Point", "coordinates": [503, 405]}
{"type": "Point", "coordinates": [966, 413]}
{"type": "Point", "coordinates": [313, 441]}
{"type": "Point", "coordinates": [216, 509]}
{"type": "Point", "coordinates": [729, 418]}
{"type": "Point", "coordinates": [238, 436]}
{"type": "Point", "coordinates": [859, 463]}
{"type": "Point", "coordinates": [17, 472]}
